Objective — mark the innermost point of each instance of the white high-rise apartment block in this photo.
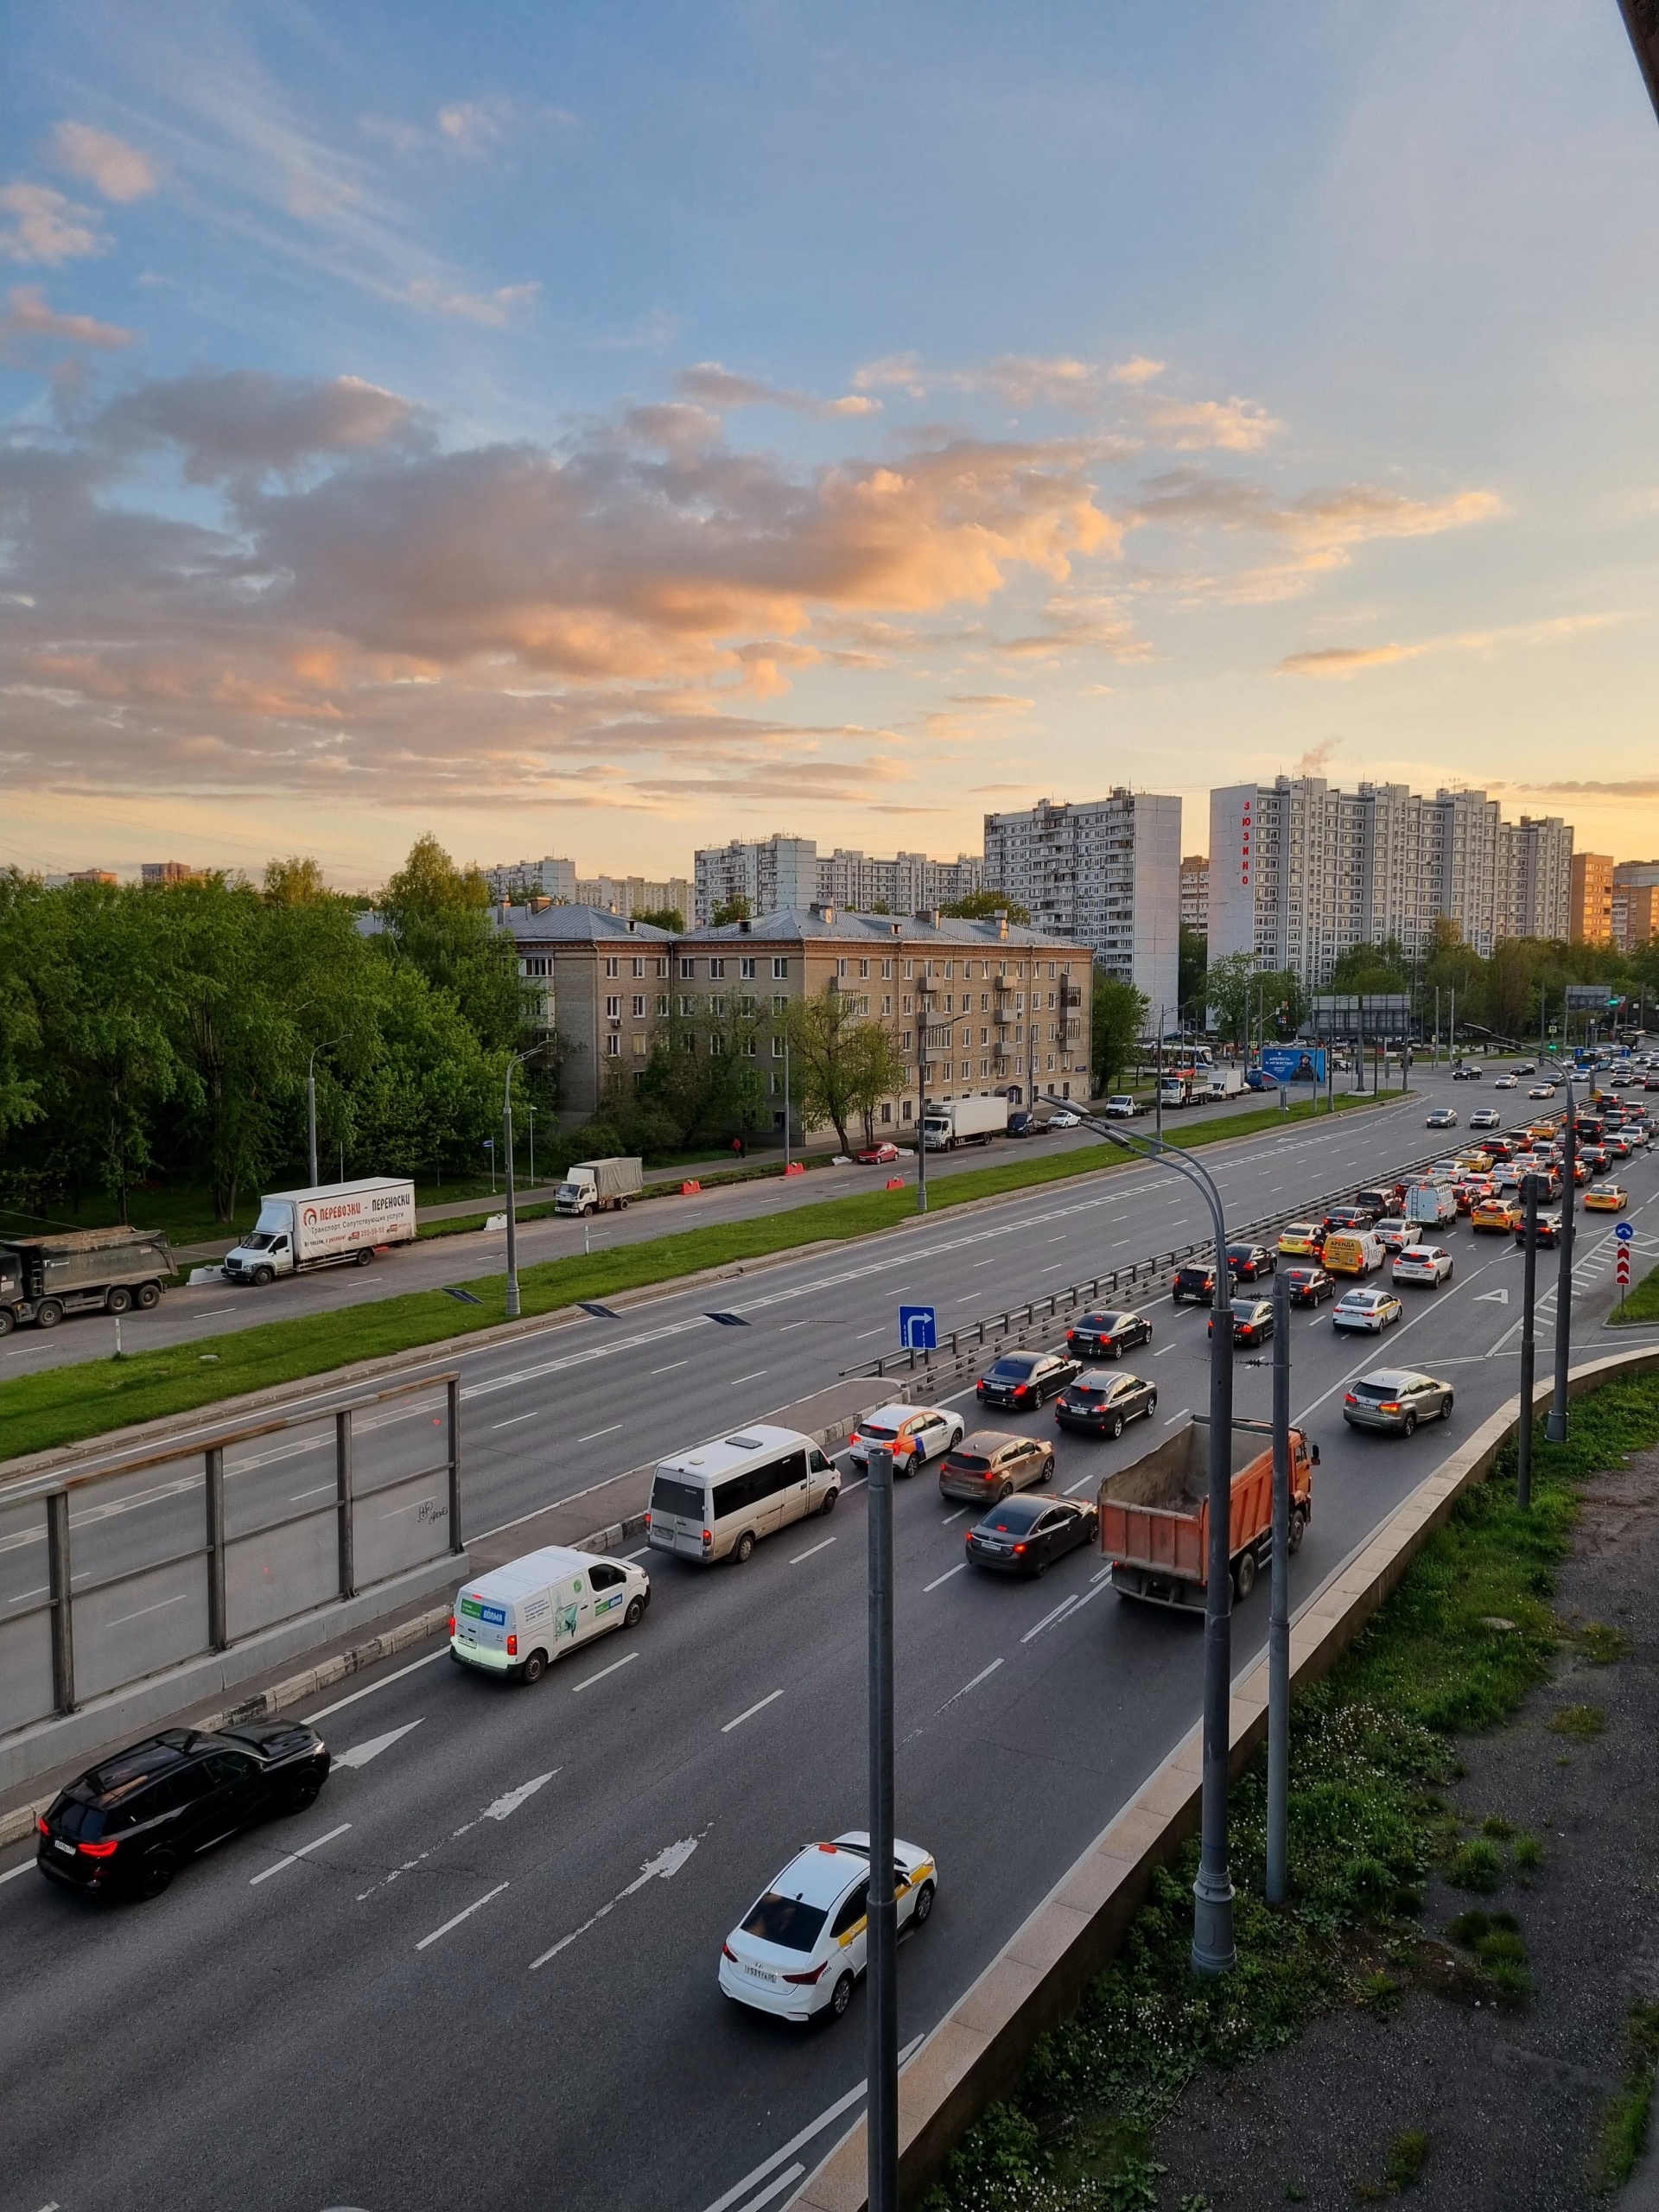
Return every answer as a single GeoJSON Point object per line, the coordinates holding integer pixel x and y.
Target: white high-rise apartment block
{"type": "Point", "coordinates": [635, 894]}
{"type": "Point", "coordinates": [546, 879]}
{"type": "Point", "coordinates": [772, 874]}
{"type": "Point", "coordinates": [1104, 872]}
{"type": "Point", "coordinates": [910, 883]}
{"type": "Point", "coordinates": [1299, 873]}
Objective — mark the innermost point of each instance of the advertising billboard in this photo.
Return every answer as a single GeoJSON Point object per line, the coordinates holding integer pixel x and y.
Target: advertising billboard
{"type": "Point", "coordinates": [1293, 1063]}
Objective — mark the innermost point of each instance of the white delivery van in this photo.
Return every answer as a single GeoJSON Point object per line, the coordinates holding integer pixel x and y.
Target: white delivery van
{"type": "Point", "coordinates": [718, 1500]}
{"type": "Point", "coordinates": [334, 1224]}
{"type": "Point", "coordinates": [518, 1619]}
{"type": "Point", "coordinates": [1432, 1202]}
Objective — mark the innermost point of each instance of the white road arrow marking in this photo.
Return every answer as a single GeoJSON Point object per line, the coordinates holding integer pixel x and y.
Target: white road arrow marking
{"type": "Point", "coordinates": [663, 1867]}
{"type": "Point", "coordinates": [1493, 1298]}
{"type": "Point", "coordinates": [510, 1803]}
{"type": "Point", "coordinates": [360, 1754]}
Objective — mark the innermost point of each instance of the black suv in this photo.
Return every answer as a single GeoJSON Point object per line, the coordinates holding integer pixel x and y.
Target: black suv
{"type": "Point", "coordinates": [1108, 1336]}
{"type": "Point", "coordinates": [1197, 1282]}
{"type": "Point", "coordinates": [129, 1823]}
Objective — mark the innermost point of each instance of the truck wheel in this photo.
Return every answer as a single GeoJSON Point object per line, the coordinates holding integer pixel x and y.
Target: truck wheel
{"type": "Point", "coordinates": [8, 1321]}
{"type": "Point", "coordinates": [366, 1257]}
{"type": "Point", "coordinates": [147, 1295]}
{"type": "Point", "coordinates": [829, 1497]}
{"type": "Point", "coordinates": [1298, 1525]}
{"type": "Point", "coordinates": [47, 1313]}
{"type": "Point", "coordinates": [1244, 1576]}
{"type": "Point", "coordinates": [118, 1299]}
{"type": "Point", "coordinates": [263, 1275]}
{"type": "Point", "coordinates": [743, 1548]}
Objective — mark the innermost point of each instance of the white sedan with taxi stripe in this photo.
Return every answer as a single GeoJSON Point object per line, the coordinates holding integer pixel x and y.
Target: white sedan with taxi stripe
{"type": "Point", "coordinates": [802, 1944]}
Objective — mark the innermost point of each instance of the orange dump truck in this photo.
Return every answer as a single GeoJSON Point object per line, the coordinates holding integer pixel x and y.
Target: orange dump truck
{"type": "Point", "coordinates": [1154, 1514]}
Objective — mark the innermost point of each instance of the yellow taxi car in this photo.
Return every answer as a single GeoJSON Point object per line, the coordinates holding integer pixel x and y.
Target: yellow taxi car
{"type": "Point", "coordinates": [1301, 1240]}
{"type": "Point", "coordinates": [1497, 1213]}
{"type": "Point", "coordinates": [1606, 1198]}
{"type": "Point", "coordinates": [1474, 1163]}
{"type": "Point", "coordinates": [1542, 1132]}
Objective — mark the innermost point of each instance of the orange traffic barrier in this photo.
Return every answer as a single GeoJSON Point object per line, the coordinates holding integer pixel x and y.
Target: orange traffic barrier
{"type": "Point", "coordinates": [895, 1182]}
{"type": "Point", "coordinates": [689, 1189]}
{"type": "Point", "coordinates": [795, 1167]}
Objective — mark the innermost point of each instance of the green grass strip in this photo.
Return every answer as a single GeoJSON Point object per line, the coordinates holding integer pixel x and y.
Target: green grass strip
{"type": "Point", "coordinates": [65, 1405]}
{"type": "Point", "coordinates": [1467, 1634]}
{"type": "Point", "coordinates": [1642, 1304]}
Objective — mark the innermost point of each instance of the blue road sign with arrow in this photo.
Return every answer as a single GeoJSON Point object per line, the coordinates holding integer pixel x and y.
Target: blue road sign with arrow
{"type": "Point", "coordinates": [1625, 1232]}
{"type": "Point", "coordinates": [918, 1328]}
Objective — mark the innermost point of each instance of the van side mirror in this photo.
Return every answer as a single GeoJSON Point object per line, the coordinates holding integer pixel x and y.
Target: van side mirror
{"type": "Point", "coordinates": [1314, 1455]}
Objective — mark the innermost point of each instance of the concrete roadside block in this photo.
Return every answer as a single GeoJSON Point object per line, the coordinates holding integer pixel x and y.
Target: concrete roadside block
{"type": "Point", "coordinates": [976, 2054]}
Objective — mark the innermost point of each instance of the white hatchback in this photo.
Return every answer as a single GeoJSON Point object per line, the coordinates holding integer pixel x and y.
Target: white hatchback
{"type": "Point", "coordinates": [915, 1434]}
{"type": "Point", "coordinates": [802, 1944]}
{"type": "Point", "coordinates": [1373, 1310]}
{"type": "Point", "coordinates": [1430, 1263]}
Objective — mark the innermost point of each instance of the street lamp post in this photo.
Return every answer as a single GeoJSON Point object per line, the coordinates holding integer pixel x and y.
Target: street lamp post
{"type": "Point", "coordinates": [514, 1059]}
{"type": "Point", "coordinates": [1556, 1430]}
{"type": "Point", "coordinates": [1529, 1293]}
{"type": "Point", "coordinates": [921, 1091]}
{"type": "Point", "coordinates": [311, 1101]}
{"type": "Point", "coordinates": [882, 2067]}
{"type": "Point", "coordinates": [1278, 1609]}
{"type": "Point", "coordinates": [1213, 1950]}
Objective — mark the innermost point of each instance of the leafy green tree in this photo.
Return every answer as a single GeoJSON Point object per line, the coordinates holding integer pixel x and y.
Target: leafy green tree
{"type": "Point", "coordinates": [665, 917]}
{"type": "Point", "coordinates": [1368, 968]}
{"type": "Point", "coordinates": [1119, 1022]}
{"type": "Point", "coordinates": [734, 909]}
{"type": "Point", "coordinates": [828, 1057]}
{"type": "Point", "coordinates": [1194, 961]}
{"type": "Point", "coordinates": [1230, 988]}
{"type": "Point", "coordinates": [985, 905]}
{"type": "Point", "coordinates": [439, 917]}
{"type": "Point", "coordinates": [877, 1072]}
{"type": "Point", "coordinates": [295, 881]}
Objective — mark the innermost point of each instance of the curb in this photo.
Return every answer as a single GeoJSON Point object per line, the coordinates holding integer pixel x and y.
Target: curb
{"type": "Point", "coordinates": [975, 2054]}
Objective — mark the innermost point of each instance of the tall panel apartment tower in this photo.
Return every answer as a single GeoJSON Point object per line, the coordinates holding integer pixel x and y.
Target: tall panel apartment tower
{"type": "Point", "coordinates": [1106, 873]}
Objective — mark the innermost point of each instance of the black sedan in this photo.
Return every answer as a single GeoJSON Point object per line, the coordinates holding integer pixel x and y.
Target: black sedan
{"type": "Point", "coordinates": [1550, 1231]}
{"type": "Point", "coordinates": [1025, 1535]}
{"type": "Point", "coordinates": [1252, 1321]}
{"type": "Point", "coordinates": [1249, 1262]}
{"type": "Point", "coordinates": [1196, 1282]}
{"type": "Point", "coordinates": [1352, 1217]}
{"type": "Point", "coordinates": [1108, 1336]}
{"type": "Point", "coordinates": [130, 1822]}
{"type": "Point", "coordinates": [1310, 1286]}
{"type": "Point", "coordinates": [1024, 1379]}
{"type": "Point", "coordinates": [1099, 1405]}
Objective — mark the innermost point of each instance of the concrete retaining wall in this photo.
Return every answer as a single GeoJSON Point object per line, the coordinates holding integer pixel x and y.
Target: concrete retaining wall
{"type": "Point", "coordinates": [977, 2052]}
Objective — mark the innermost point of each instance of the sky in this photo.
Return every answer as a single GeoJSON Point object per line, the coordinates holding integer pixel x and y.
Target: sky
{"type": "Point", "coordinates": [605, 431]}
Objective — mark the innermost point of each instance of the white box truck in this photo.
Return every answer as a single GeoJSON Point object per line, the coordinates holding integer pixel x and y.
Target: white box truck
{"type": "Point", "coordinates": [1226, 1083]}
{"type": "Point", "coordinates": [951, 1122]}
{"type": "Point", "coordinates": [1433, 1202]}
{"type": "Point", "coordinates": [327, 1227]}
{"type": "Point", "coordinates": [592, 1185]}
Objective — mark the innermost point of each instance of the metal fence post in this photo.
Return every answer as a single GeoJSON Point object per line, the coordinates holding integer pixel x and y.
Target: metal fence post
{"type": "Point", "coordinates": [452, 1391]}
{"type": "Point", "coordinates": [218, 1632]}
{"type": "Point", "coordinates": [63, 1630]}
{"type": "Point", "coordinates": [343, 1507]}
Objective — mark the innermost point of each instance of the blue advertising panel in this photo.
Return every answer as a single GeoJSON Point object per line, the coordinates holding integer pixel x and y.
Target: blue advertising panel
{"type": "Point", "coordinates": [1295, 1062]}
{"type": "Point", "coordinates": [918, 1328]}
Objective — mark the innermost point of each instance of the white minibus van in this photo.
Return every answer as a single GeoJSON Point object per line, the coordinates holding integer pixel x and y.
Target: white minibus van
{"type": "Point", "coordinates": [516, 1619]}
{"type": "Point", "coordinates": [718, 1500]}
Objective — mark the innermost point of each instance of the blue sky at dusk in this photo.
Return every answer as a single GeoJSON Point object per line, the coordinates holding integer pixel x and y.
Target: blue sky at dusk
{"type": "Point", "coordinates": [604, 431]}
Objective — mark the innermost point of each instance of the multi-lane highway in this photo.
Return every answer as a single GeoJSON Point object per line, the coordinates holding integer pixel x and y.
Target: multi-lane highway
{"type": "Point", "coordinates": [210, 1308]}
{"type": "Point", "coordinates": [484, 1960]}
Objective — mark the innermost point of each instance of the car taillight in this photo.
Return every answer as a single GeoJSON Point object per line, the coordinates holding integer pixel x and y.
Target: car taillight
{"type": "Point", "coordinates": [512, 1646]}
{"type": "Point", "coordinates": [1018, 1549]}
{"type": "Point", "coordinates": [1349, 1399]}
{"type": "Point", "coordinates": [98, 1849]}
{"type": "Point", "coordinates": [727, 1952]}
{"type": "Point", "coordinates": [39, 1822]}
{"type": "Point", "coordinates": [647, 1522]}
{"type": "Point", "coordinates": [805, 1981]}
{"type": "Point", "coordinates": [452, 1623]}
{"type": "Point", "coordinates": [1389, 1406]}
{"type": "Point", "coordinates": [707, 1535]}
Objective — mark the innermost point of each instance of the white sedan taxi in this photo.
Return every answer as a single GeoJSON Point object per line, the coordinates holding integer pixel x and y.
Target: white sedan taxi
{"type": "Point", "coordinates": [802, 1944]}
{"type": "Point", "coordinates": [914, 1434]}
{"type": "Point", "coordinates": [1372, 1310]}
{"type": "Point", "coordinates": [1430, 1263]}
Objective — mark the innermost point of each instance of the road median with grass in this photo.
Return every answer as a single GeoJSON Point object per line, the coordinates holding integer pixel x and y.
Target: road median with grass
{"type": "Point", "coordinates": [68, 1405]}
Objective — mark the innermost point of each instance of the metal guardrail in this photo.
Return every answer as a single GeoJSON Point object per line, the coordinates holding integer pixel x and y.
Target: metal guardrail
{"type": "Point", "coordinates": [1022, 1324]}
{"type": "Point", "coordinates": [232, 1582]}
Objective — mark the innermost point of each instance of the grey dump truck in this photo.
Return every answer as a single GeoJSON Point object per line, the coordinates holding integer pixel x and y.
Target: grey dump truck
{"type": "Point", "coordinates": [81, 1271]}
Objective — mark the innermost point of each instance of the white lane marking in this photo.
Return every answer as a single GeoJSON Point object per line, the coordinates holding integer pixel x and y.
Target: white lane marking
{"type": "Point", "coordinates": [775, 2188]}
{"type": "Point", "coordinates": [360, 1754]}
{"type": "Point", "coordinates": [788, 1325]}
{"type": "Point", "coordinates": [465, 1915]}
{"type": "Point", "coordinates": [831, 2113]}
{"type": "Point", "coordinates": [750, 1713]}
{"type": "Point", "coordinates": [1493, 1298]}
{"type": "Point", "coordinates": [983, 1675]}
{"type": "Point", "coordinates": [300, 1496]}
{"type": "Point", "coordinates": [755, 1377]}
{"type": "Point", "coordinates": [672, 1366]}
{"type": "Point", "coordinates": [315, 1844]}
{"type": "Point", "coordinates": [1174, 1418]}
{"type": "Point", "coordinates": [960, 1565]}
{"type": "Point", "coordinates": [812, 1551]}
{"type": "Point", "coordinates": [614, 1667]}
{"type": "Point", "coordinates": [594, 1435]}
{"type": "Point", "coordinates": [1159, 1354]}
{"type": "Point", "coordinates": [1072, 1489]}
{"type": "Point", "coordinates": [505, 1806]}
{"type": "Point", "coordinates": [991, 1263]}
{"type": "Point", "coordinates": [385, 1681]}
{"type": "Point", "coordinates": [640, 1554]}
{"type": "Point", "coordinates": [1048, 1619]}
{"type": "Point", "coordinates": [213, 1312]}
{"type": "Point", "coordinates": [865, 1333]}
{"type": "Point", "coordinates": [12, 1873]}
{"type": "Point", "coordinates": [949, 1517]}
{"type": "Point", "coordinates": [663, 1867]}
{"type": "Point", "coordinates": [143, 1612]}
{"type": "Point", "coordinates": [515, 1420]}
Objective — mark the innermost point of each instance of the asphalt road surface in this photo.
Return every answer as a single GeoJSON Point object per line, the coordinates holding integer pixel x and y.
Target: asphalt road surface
{"type": "Point", "coordinates": [211, 1308]}
{"type": "Point", "coordinates": [485, 1962]}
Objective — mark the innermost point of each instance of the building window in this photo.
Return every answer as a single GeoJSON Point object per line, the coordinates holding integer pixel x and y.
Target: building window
{"type": "Point", "coordinates": [717, 969]}
{"type": "Point", "coordinates": [638, 1006]}
{"type": "Point", "coordinates": [688, 969]}
{"type": "Point", "coordinates": [910, 970]}
{"type": "Point", "coordinates": [886, 1003]}
{"type": "Point", "coordinates": [613, 1045]}
{"type": "Point", "coordinates": [886, 971]}
{"type": "Point", "coordinates": [688, 1042]}
{"type": "Point", "coordinates": [777, 1048]}
{"type": "Point", "coordinates": [886, 1110]}
{"type": "Point", "coordinates": [614, 1007]}
{"type": "Point", "coordinates": [717, 1008]}
{"type": "Point", "coordinates": [688, 1007]}
{"type": "Point", "coordinates": [661, 975]}
{"type": "Point", "coordinates": [779, 1004]}
{"type": "Point", "coordinates": [746, 970]}
{"type": "Point", "coordinates": [903, 1110]}
{"type": "Point", "coordinates": [613, 966]}
{"type": "Point", "coordinates": [780, 970]}
{"type": "Point", "coordinates": [752, 1046]}
{"type": "Point", "coordinates": [716, 1045]}
{"type": "Point", "coordinates": [841, 971]}
{"type": "Point", "coordinates": [662, 1006]}
{"type": "Point", "coordinates": [907, 1041]}
{"type": "Point", "coordinates": [864, 1003]}
{"type": "Point", "coordinates": [863, 971]}
{"type": "Point", "coordinates": [639, 1043]}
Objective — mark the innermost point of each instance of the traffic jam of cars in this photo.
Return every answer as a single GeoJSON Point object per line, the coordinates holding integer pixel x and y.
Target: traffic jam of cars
{"type": "Point", "coordinates": [1359, 1266]}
